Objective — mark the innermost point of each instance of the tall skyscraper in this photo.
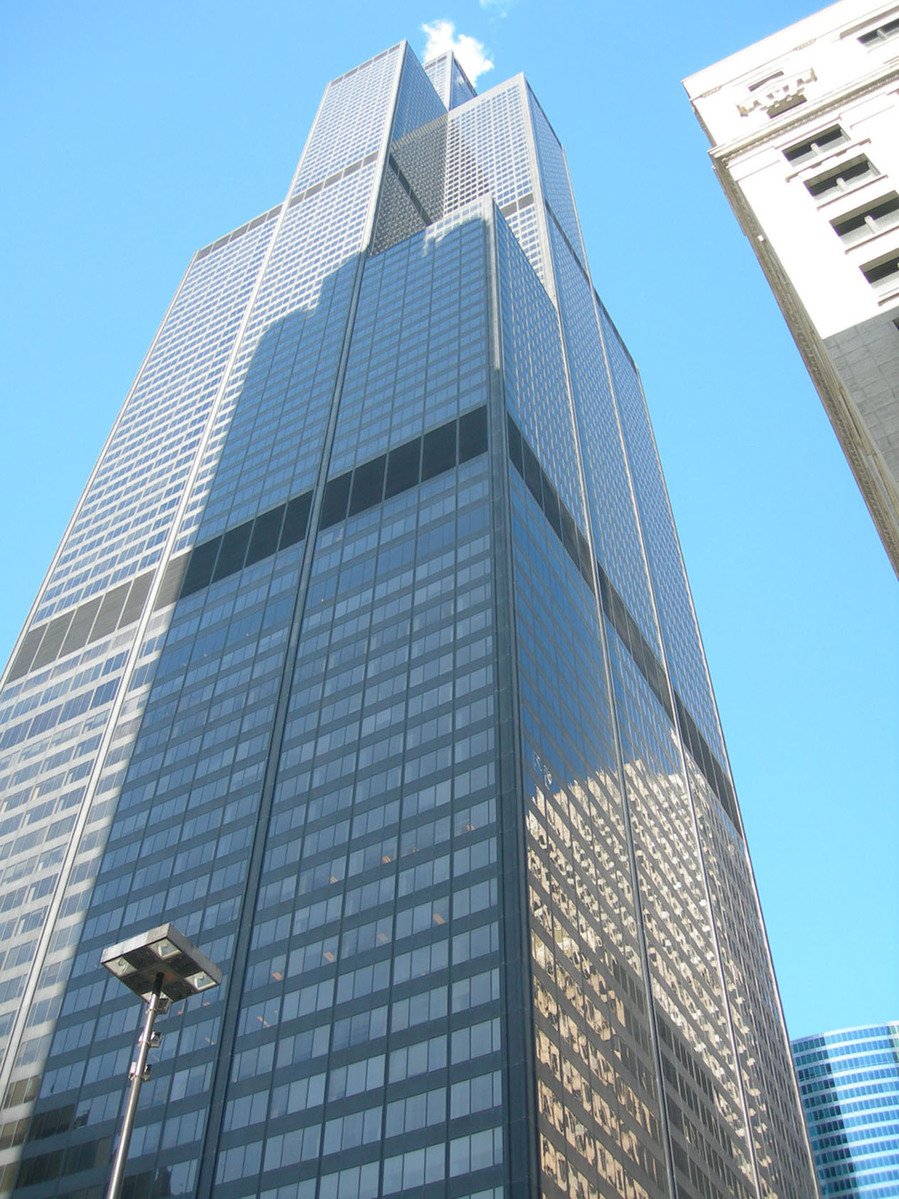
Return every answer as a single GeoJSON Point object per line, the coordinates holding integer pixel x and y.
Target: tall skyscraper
{"type": "Point", "coordinates": [849, 1082]}
{"type": "Point", "coordinates": [368, 659]}
{"type": "Point", "coordinates": [804, 127]}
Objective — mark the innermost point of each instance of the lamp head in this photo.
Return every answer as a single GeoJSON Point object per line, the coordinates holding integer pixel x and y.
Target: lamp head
{"type": "Point", "coordinates": [138, 962]}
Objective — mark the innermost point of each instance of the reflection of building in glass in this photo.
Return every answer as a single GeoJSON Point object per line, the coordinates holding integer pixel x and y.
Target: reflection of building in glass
{"type": "Point", "coordinates": [849, 1082]}
{"type": "Point", "coordinates": [368, 659]}
{"type": "Point", "coordinates": [804, 127]}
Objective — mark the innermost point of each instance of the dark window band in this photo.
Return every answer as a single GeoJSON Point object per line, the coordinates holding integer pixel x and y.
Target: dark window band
{"type": "Point", "coordinates": [371, 482]}
{"type": "Point", "coordinates": [404, 466]}
{"type": "Point", "coordinates": [94, 618]}
{"type": "Point", "coordinates": [247, 543]}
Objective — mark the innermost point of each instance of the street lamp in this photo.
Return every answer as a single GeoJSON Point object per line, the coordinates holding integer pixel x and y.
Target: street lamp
{"type": "Point", "coordinates": [162, 967]}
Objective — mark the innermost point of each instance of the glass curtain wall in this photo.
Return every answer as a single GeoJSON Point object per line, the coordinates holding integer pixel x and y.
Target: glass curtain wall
{"type": "Point", "coordinates": [369, 660]}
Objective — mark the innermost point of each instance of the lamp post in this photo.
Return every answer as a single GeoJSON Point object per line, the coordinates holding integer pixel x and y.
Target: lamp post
{"type": "Point", "coordinates": [161, 967]}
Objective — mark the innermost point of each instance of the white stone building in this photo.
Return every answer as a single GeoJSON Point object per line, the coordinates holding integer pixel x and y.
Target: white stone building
{"type": "Point", "coordinates": [804, 127]}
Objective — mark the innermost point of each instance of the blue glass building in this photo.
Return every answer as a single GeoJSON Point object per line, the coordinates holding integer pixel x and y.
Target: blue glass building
{"type": "Point", "coordinates": [849, 1082]}
{"type": "Point", "coordinates": [369, 660]}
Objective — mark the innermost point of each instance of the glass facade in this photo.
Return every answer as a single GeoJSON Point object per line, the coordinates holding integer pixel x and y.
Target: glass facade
{"type": "Point", "coordinates": [849, 1081]}
{"type": "Point", "coordinates": [368, 659]}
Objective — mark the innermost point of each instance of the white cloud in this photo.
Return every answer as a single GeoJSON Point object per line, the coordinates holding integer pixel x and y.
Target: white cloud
{"type": "Point", "coordinates": [441, 36]}
{"type": "Point", "coordinates": [498, 8]}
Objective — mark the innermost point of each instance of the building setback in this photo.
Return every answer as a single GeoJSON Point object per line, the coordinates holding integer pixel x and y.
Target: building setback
{"type": "Point", "coordinates": [368, 659]}
{"type": "Point", "coordinates": [804, 127]}
{"type": "Point", "coordinates": [849, 1082]}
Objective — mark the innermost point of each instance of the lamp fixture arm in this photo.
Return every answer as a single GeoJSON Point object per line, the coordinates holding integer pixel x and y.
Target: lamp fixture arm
{"type": "Point", "coordinates": [138, 1073]}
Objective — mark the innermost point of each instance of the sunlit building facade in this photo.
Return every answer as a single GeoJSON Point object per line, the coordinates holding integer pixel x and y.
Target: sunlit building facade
{"type": "Point", "coordinates": [849, 1081]}
{"type": "Point", "coordinates": [804, 127]}
{"type": "Point", "coordinates": [368, 660]}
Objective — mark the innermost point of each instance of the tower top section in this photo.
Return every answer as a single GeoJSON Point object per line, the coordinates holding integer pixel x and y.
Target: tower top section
{"type": "Point", "coordinates": [450, 82]}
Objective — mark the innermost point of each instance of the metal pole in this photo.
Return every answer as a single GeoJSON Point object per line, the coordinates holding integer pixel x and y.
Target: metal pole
{"type": "Point", "coordinates": [138, 1073]}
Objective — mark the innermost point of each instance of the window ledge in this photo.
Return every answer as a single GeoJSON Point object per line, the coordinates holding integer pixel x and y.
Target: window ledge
{"type": "Point", "coordinates": [872, 238]}
{"type": "Point", "coordinates": [834, 155]}
{"type": "Point", "coordinates": [822, 205]}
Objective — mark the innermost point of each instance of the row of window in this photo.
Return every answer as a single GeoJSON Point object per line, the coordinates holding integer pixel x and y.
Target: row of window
{"type": "Point", "coordinates": [874, 217]}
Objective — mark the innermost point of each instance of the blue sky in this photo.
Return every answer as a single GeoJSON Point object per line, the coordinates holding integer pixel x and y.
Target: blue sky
{"type": "Point", "coordinates": [136, 133]}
